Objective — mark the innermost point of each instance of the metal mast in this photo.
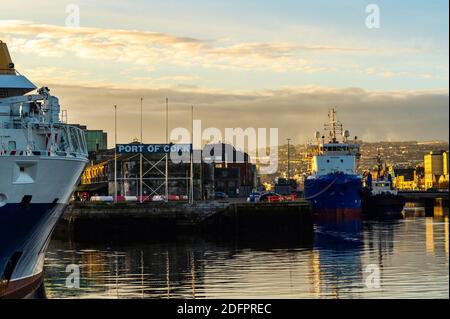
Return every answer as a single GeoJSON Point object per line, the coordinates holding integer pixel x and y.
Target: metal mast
{"type": "Point", "coordinates": [140, 157]}
{"type": "Point", "coordinates": [333, 126]}
{"type": "Point", "coordinates": [167, 155]}
{"type": "Point", "coordinates": [191, 179]}
{"type": "Point", "coordinates": [289, 160]}
{"type": "Point", "coordinates": [115, 153]}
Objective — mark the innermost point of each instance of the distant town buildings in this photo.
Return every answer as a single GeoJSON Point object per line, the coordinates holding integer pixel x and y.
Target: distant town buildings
{"type": "Point", "coordinates": [436, 170]}
{"type": "Point", "coordinates": [399, 155]}
{"type": "Point", "coordinates": [432, 173]}
{"type": "Point", "coordinates": [411, 165]}
{"type": "Point", "coordinates": [406, 178]}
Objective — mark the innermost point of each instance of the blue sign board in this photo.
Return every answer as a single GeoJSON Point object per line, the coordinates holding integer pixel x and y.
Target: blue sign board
{"type": "Point", "coordinates": [152, 148]}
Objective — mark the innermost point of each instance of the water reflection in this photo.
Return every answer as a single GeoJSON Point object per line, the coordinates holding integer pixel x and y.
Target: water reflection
{"type": "Point", "coordinates": [411, 254]}
{"type": "Point", "coordinates": [339, 247]}
{"type": "Point", "coordinates": [429, 235]}
{"type": "Point", "coordinates": [446, 235]}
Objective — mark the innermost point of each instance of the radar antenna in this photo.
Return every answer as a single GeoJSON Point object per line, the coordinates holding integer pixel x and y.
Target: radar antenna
{"type": "Point", "coordinates": [334, 127]}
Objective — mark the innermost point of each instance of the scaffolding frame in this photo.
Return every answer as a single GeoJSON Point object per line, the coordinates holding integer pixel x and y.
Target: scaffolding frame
{"type": "Point", "coordinates": [144, 177]}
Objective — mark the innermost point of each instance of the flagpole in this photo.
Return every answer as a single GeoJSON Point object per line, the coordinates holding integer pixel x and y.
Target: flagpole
{"type": "Point", "coordinates": [191, 188]}
{"type": "Point", "coordinates": [115, 153]}
{"type": "Point", "coordinates": [289, 160]}
{"type": "Point", "coordinates": [167, 154]}
{"type": "Point", "coordinates": [140, 165]}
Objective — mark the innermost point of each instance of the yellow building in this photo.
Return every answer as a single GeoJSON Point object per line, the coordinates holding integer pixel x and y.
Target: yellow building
{"type": "Point", "coordinates": [94, 174]}
{"type": "Point", "coordinates": [404, 178]}
{"type": "Point", "coordinates": [402, 184]}
{"type": "Point", "coordinates": [436, 169]}
{"type": "Point", "coordinates": [445, 163]}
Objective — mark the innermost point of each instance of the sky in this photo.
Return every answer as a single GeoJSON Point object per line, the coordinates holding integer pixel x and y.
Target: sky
{"type": "Point", "coordinates": [244, 63]}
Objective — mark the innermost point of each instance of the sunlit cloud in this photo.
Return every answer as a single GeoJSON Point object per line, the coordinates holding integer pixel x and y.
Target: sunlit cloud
{"type": "Point", "coordinates": [149, 49]}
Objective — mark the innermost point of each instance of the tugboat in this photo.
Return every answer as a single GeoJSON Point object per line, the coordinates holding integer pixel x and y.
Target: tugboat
{"type": "Point", "coordinates": [380, 199]}
{"type": "Point", "coordinates": [334, 187]}
{"type": "Point", "coordinates": [41, 160]}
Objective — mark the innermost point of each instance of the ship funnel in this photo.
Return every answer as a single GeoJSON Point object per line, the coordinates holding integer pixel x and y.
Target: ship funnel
{"type": "Point", "coordinates": [11, 82]}
{"type": "Point", "coordinates": [6, 64]}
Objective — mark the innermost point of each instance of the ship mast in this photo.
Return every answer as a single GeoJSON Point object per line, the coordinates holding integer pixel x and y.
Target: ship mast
{"type": "Point", "coordinates": [334, 127]}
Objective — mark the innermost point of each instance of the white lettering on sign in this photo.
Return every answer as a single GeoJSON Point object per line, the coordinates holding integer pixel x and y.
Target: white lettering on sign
{"type": "Point", "coordinates": [153, 148]}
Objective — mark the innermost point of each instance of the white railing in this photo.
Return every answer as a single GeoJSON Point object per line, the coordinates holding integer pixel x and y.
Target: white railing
{"type": "Point", "coordinates": [74, 144]}
{"type": "Point", "coordinates": [41, 153]}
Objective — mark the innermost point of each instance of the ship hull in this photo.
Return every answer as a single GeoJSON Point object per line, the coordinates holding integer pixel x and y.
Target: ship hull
{"type": "Point", "coordinates": [24, 243]}
{"type": "Point", "coordinates": [28, 215]}
{"type": "Point", "coordinates": [335, 195]}
{"type": "Point", "coordinates": [383, 206]}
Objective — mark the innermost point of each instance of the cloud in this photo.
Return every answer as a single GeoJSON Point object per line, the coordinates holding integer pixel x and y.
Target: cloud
{"type": "Point", "coordinates": [296, 112]}
{"type": "Point", "coordinates": [145, 51]}
{"type": "Point", "coordinates": [61, 76]}
{"type": "Point", "coordinates": [384, 73]}
{"type": "Point", "coordinates": [387, 74]}
{"type": "Point", "coordinates": [150, 49]}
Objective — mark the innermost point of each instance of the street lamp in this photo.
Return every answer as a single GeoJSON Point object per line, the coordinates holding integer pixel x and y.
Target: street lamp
{"type": "Point", "coordinates": [289, 160]}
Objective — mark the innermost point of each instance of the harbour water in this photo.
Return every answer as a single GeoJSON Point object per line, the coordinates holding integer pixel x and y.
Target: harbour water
{"type": "Point", "coordinates": [410, 255]}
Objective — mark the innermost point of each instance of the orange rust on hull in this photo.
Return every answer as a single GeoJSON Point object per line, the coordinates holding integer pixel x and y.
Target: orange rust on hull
{"type": "Point", "coordinates": [338, 214]}
{"type": "Point", "coordinates": [20, 288]}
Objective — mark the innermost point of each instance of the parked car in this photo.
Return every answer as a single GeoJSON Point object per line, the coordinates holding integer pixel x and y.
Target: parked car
{"type": "Point", "coordinates": [174, 198]}
{"type": "Point", "coordinates": [158, 198]}
{"type": "Point", "coordinates": [220, 195]}
{"type": "Point", "coordinates": [270, 195]}
{"type": "Point", "coordinates": [144, 199]}
{"type": "Point", "coordinates": [108, 199]}
{"type": "Point", "coordinates": [254, 197]}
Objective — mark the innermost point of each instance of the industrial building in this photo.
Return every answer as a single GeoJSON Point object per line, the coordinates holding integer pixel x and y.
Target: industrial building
{"type": "Point", "coordinates": [405, 178]}
{"type": "Point", "coordinates": [96, 140]}
{"type": "Point", "coordinates": [229, 171]}
{"type": "Point", "coordinates": [436, 170]}
{"type": "Point", "coordinates": [234, 173]}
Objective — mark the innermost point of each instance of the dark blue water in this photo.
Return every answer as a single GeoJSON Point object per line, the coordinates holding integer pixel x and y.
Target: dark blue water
{"type": "Point", "coordinates": [407, 258]}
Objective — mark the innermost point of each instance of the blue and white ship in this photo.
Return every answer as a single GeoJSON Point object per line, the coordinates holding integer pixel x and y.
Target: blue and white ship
{"type": "Point", "coordinates": [334, 186]}
{"type": "Point", "coordinates": [41, 160]}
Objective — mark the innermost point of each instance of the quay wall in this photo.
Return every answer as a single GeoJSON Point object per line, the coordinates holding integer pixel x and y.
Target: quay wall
{"type": "Point", "coordinates": [165, 221]}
